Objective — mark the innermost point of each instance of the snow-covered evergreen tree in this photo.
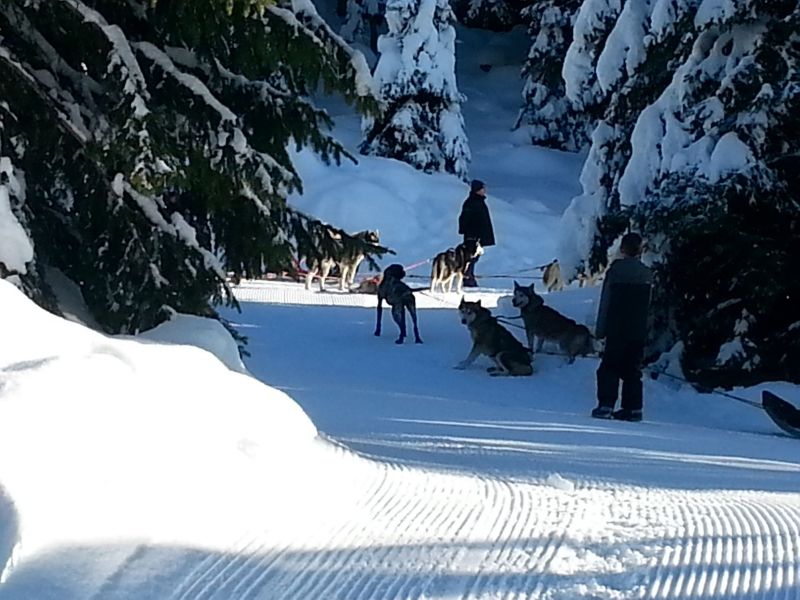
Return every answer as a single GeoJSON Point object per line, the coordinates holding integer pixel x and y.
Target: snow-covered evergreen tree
{"type": "Point", "coordinates": [364, 22]}
{"type": "Point", "coordinates": [548, 114]}
{"type": "Point", "coordinates": [494, 15]}
{"type": "Point", "coordinates": [420, 122]}
{"type": "Point", "coordinates": [143, 145]}
{"type": "Point", "coordinates": [699, 149]}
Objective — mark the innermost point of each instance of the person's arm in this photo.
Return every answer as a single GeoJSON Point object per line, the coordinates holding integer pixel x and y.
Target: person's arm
{"type": "Point", "coordinates": [605, 300]}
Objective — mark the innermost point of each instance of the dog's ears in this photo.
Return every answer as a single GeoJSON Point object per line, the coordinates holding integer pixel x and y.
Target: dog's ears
{"type": "Point", "coordinates": [516, 285]}
{"type": "Point", "coordinates": [462, 303]}
{"type": "Point", "coordinates": [478, 303]}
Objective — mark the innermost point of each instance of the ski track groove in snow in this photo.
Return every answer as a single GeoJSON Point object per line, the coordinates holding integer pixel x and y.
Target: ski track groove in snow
{"type": "Point", "coordinates": [199, 581]}
{"type": "Point", "coordinates": [251, 585]}
{"type": "Point", "coordinates": [735, 545]}
{"type": "Point", "coordinates": [553, 541]}
{"type": "Point", "coordinates": [438, 519]}
{"type": "Point", "coordinates": [323, 566]}
{"type": "Point", "coordinates": [335, 575]}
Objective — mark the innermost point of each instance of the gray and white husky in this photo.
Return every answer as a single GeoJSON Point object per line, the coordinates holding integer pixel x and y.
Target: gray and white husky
{"type": "Point", "coordinates": [493, 340]}
{"type": "Point", "coordinates": [347, 264]}
{"type": "Point", "coordinates": [543, 323]}
{"type": "Point", "coordinates": [450, 265]}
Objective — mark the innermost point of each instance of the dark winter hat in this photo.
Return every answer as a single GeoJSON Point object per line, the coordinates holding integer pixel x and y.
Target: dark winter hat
{"type": "Point", "coordinates": [476, 185]}
{"type": "Point", "coordinates": [631, 244]}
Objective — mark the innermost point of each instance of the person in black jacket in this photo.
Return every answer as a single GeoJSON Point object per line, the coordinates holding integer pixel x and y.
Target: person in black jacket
{"type": "Point", "coordinates": [622, 321]}
{"type": "Point", "coordinates": [474, 223]}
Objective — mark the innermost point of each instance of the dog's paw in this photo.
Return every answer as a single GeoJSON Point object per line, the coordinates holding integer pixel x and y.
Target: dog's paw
{"type": "Point", "coordinates": [399, 340]}
{"type": "Point", "coordinates": [377, 334]}
{"type": "Point", "coordinates": [460, 366]}
{"type": "Point", "coordinates": [418, 341]}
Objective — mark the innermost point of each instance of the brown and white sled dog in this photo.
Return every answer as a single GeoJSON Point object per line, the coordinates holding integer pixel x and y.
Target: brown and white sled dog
{"type": "Point", "coordinates": [493, 340]}
{"type": "Point", "coordinates": [450, 265]}
{"type": "Point", "coordinates": [552, 279]}
{"type": "Point", "coordinates": [347, 264]}
{"type": "Point", "coordinates": [543, 323]}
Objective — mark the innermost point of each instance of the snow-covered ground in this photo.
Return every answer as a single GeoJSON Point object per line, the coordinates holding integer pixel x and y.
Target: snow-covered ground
{"type": "Point", "coordinates": [347, 467]}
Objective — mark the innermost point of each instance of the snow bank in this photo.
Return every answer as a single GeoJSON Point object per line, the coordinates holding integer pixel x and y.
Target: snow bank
{"type": "Point", "coordinates": [104, 438]}
{"type": "Point", "coordinates": [16, 249]}
{"type": "Point", "coordinates": [8, 534]}
{"type": "Point", "coordinates": [208, 334]}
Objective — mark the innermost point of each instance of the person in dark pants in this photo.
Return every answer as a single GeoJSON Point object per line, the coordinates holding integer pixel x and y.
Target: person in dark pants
{"type": "Point", "coordinates": [622, 321]}
{"type": "Point", "coordinates": [474, 223]}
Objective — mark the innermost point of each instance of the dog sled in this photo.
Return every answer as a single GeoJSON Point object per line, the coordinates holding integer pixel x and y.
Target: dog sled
{"type": "Point", "coordinates": [783, 414]}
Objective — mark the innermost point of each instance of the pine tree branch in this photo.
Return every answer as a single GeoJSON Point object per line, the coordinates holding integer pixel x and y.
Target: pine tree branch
{"type": "Point", "coordinates": [23, 26]}
{"type": "Point", "coordinates": [25, 78]}
{"type": "Point", "coordinates": [122, 49]}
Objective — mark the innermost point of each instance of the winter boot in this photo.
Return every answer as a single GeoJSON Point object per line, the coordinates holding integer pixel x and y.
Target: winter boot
{"type": "Point", "coordinates": [626, 414]}
{"type": "Point", "coordinates": [602, 412]}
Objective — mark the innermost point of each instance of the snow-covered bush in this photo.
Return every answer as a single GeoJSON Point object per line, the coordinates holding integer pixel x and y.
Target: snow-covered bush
{"type": "Point", "coordinates": [421, 121]}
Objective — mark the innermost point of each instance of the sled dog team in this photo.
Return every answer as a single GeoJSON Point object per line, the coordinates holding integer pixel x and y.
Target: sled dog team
{"type": "Point", "coordinates": [489, 337]}
{"type": "Point", "coordinates": [621, 319]}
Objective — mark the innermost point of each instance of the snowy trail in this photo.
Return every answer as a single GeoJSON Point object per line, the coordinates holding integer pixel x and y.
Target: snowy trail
{"type": "Point", "coordinates": [425, 483]}
{"type": "Point", "coordinates": [408, 533]}
{"type": "Point", "coordinates": [411, 526]}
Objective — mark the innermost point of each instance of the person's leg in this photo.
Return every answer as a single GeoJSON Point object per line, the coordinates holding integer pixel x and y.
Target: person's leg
{"type": "Point", "coordinates": [631, 373]}
{"type": "Point", "coordinates": [607, 385]}
{"type": "Point", "coordinates": [469, 274]}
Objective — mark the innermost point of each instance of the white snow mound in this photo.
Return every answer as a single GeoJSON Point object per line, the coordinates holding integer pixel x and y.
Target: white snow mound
{"type": "Point", "coordinates": [104, 437]}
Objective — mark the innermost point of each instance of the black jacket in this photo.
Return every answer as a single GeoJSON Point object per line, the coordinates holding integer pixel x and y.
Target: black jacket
{"type": "Point", "coordinates": [474, 221]}
{"type": "Point", "coordinates": [625, 301]}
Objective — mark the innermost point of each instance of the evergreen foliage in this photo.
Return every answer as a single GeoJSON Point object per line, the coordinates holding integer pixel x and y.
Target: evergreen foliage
{"type": "Point", "coordinates": [699, 147]}
{"type": "Point", "coordinates": [421, 121]}
{"type": "Point", "coordinates": [364, 22]}
{"type": "Point", "coordinates": [144, 146]}
{"type": "Point", "coordinates": [548, 115]}
{"type": "Point", "coordinates": [494, 15]}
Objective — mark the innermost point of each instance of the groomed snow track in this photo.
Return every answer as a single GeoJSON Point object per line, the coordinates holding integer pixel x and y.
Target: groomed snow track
{"type": "Point", "coordinates": [422, 534]}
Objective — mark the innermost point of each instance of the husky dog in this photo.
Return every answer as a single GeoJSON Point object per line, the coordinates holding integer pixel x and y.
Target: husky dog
{"type": "Point", "coordinates": [493, 340]}
{"type": "Point", "coordinates": [452, 263]}
{"type": "Point", "coordinates": [367, 286]}
{"type": "Point", "coordinates": [553, 281]}
{"type": "Point", "coordinates": [347, 264]}
{"type": "Point", "coordinates": [588, 279]}
{"type": "Point", "coordinates": [400, 297]}
{"type": "Point", "coordinates": [543, 323]}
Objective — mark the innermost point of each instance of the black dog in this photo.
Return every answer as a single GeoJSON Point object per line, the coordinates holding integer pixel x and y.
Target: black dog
{"type": "Point", "coordinates": [401, 298]}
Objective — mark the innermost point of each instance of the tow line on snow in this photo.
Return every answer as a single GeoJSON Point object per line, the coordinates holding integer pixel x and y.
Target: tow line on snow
{"type": "Point", "coordinates": [654, 373]}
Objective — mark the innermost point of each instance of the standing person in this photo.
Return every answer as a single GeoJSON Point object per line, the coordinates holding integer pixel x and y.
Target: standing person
{"type": "Point", "coordinates": [474, 223]}
{"type": "Point", "coordinates": [622, 321]}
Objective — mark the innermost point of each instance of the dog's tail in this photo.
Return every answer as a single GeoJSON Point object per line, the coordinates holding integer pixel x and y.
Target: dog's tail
{"type": "Point", "coordinates": [420, 289]}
